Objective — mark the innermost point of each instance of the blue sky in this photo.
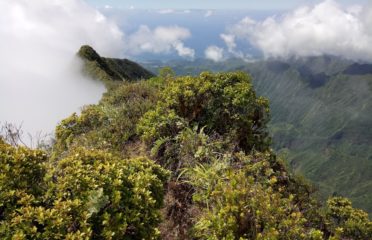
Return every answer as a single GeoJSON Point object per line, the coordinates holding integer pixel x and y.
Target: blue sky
{"type": "Point", "coordinates": [212, 4]}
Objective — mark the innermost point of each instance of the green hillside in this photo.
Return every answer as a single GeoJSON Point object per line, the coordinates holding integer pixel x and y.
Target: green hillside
{"type": "Point", "coordinates": [326, 128]}
{"type": "Point", "coordinates": [321, 118]}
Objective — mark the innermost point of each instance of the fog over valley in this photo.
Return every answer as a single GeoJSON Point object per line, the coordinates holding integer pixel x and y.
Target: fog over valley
{"type": "Point", "coordinates": [41, 81]}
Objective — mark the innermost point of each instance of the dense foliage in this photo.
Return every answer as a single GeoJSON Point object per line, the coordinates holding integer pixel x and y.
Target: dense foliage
{"type": "Point", "coordinates": [109, 125]}
{"type": "Point", "coordinates": [347, 222]}
{"type": "Point", "coordinates": [243, 202]}
{"type": "Point", "coordinates": [89, 194]}
{"type": "Point", "coordinates": [222, 103]}
{"type": "Point", "coordinates": [171, 158]}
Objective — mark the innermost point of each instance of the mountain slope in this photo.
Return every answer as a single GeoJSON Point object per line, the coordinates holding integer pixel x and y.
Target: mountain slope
{"type": "Point", "coordinates": [324, 128]}
{"type": "Point", "coordinates": [107, 69]}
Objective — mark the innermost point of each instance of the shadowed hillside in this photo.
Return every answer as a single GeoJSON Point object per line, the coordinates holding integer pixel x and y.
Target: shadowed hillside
{"type": "Point", "coordinates": [359, 69]}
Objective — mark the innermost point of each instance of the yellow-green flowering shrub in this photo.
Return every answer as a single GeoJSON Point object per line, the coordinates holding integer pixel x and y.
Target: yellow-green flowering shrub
{"type": "Point", "coordinates": [21, 177]}
{"type": "Point", "coordinates": [225, 103]}
{"type": "Point", "coordinates": [239, 201]}
{"type": "Point", "coordinates": [89, 194]}
{"type": "Point", "coordinates": [160, 123]}
{"type": "Point", "coordinates": [110, 124]}
{"type": "Point", "coordinates": [92, 117]}
{"type": "Point", "coordinates": [346, 222]}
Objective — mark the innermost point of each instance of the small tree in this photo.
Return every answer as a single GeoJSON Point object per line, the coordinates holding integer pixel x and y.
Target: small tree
{"type": "Point", "coordinates": [166, 73]}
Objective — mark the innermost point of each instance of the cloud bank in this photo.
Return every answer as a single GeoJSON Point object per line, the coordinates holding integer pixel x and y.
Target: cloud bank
{"type": "Point", "coordinates": [40, 77]}
{"type": "Point", "coordinates": [159, 40]}
{"type": "Point", "coordinates": [326, 28]}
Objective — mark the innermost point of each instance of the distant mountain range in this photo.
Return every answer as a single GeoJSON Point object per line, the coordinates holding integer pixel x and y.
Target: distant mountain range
{"type": "Point", "coordinates": [321, 111]}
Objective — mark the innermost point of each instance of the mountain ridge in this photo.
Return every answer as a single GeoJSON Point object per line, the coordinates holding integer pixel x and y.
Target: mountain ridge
{"type": "Point", "coordinates": [111, 69]}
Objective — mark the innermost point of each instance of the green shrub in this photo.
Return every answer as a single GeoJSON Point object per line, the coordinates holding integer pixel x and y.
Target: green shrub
{"type": "Point", "coordinates": [224, 103]}
{"type": "Point", "coordinates": [21, 178]}
{"type": "Point", "coordinates": [240, 202]}
{"type": "Point", "coordinates": [89, 194]}
{"type": "Point", "coordinates": [120, 198]}
{"type": "Point", "coordinates": [92, 117]}
{"type": "Point", "coordinates": [160, 123]}
{"type": "Point", "coordinates": [110, 124]}
{"type": "Point", "coordinates": [346, 222]}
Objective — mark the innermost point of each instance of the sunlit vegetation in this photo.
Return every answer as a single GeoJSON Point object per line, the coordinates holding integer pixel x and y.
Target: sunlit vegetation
{"type": "Point", "coordinates": [89, 194]}
{"type": "Point", "coordinates": [167, 158]}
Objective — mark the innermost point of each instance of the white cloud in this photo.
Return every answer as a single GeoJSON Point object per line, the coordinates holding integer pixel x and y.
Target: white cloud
{"type": "Point", "coordinates": [208, 13]}
{"type": "Point", "coordinates": [229, 40]}
{"type": "Point", "coordinates": [108, 7]}
{"type": "Point", "coordinates": [159, 40]}
{"type": "Point", "coordinates": [214, 53]}
{"type": "Point", "coordinates": [326, 28]}
{"type": "Point", "coordinates": [40, 78]}
{"type": "Point", "coordinates": [184, 51]}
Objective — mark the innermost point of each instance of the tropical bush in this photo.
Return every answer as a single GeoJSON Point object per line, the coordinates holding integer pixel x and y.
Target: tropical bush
{"type": "Point", "coordinates": [346, 222]}
{"type": "Point", "coordinates": [224, 103]}
{"type": "Point", "coordinates": [89, 194]}
{"type": "Point", "coordinates": [22, 174]}
{"type": "Point", "coordinates": [110, 124]}
{"type": "Point", "coordinates": [239, 200]}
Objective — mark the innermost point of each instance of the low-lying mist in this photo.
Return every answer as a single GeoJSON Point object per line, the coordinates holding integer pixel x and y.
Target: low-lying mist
{"type": "Point", "coordinates": [41, 81]}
